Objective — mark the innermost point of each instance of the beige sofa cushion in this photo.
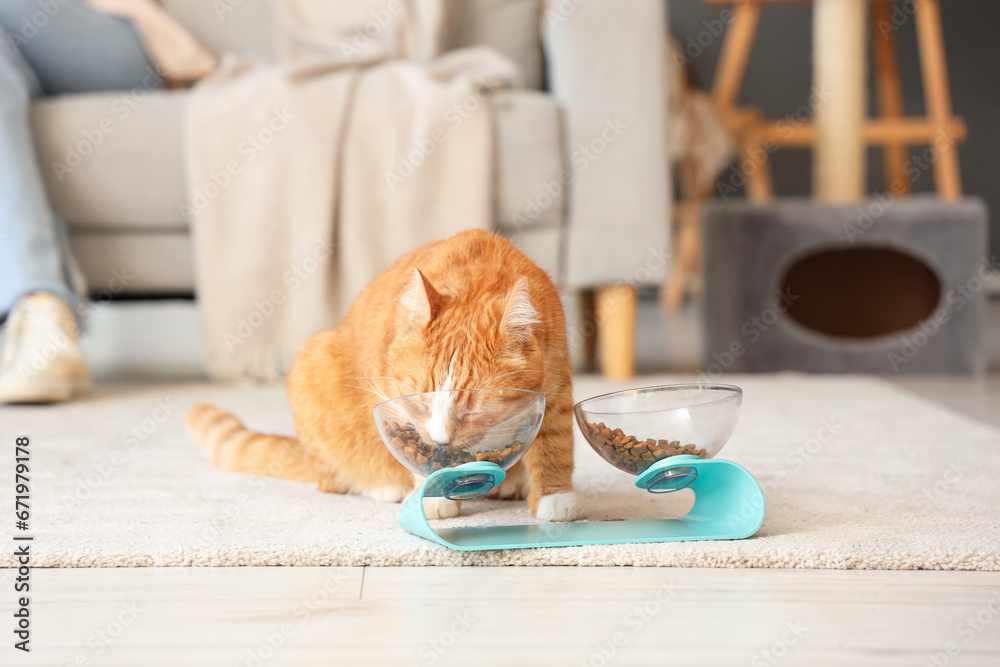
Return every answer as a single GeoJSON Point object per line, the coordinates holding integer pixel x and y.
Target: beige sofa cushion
{"type": "Point", "coordinates": [530, 164]}
{"type": "Point", "coordinates": [112, 160]}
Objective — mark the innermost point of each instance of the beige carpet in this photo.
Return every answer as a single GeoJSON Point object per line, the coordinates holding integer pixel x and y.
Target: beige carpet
{"type": "Point", "coordinates": [858, 474]}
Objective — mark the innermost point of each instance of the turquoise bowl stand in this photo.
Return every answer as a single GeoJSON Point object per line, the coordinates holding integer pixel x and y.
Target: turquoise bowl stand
{"type": "Point", "coordinates": [728, 505]}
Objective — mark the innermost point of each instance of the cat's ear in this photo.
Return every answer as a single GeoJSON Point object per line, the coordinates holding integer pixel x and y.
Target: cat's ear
{"type": "Point", "coordinates": [421, 302]}
{"type": "Point", "coordinates": [519, 314]}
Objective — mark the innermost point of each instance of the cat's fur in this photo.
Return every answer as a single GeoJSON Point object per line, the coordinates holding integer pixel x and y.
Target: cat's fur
{"type": "Point", "coordinates": [470, 311]}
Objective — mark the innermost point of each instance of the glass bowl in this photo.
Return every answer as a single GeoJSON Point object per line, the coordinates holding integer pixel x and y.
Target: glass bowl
{"type": "Point", "coordinates": [632, 429]}
{"type": "Point", "coordinates": [442, 429]}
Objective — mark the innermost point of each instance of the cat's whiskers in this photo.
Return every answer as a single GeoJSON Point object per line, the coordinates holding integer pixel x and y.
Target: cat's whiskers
{"type": "Point", "coordinates": [389, 362]}
{"type": "Point", "coordinates": [552, 389]}
{"type": "Point", "coordinates": [392, 366]}
{"type": "Point", "coordinates": [526, 370]}
{"type": "Point", "coordinates": [372, 385]}
{"type": "Point", "coordinates": [370, 388]}
{"type": "Point", "coordinates": [357, 386]}
{"type": "Point", "coordinates": [375, 389]}
{"type": "Point", "coordinates": [373, 349]}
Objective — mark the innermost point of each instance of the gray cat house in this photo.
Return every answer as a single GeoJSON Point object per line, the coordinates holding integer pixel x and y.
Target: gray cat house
{"type": "Point", "coordinates": [881, 286]}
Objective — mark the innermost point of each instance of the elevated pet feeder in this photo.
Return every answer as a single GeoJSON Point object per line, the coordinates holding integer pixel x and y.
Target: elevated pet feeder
{"type": "Point", "coordinates": [729, 503]}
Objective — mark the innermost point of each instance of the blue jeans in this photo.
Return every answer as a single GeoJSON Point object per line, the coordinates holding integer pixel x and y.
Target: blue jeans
{"type": "Point", "coordinates": [49, 47]}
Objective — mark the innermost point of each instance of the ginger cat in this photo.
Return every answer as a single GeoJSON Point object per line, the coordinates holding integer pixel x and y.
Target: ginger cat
{"type": "Point", "coordinates": [470, 311]}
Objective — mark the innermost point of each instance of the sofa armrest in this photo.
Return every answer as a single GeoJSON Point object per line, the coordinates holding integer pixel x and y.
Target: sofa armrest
{"type": "Point", "coordinates": [607, 67]}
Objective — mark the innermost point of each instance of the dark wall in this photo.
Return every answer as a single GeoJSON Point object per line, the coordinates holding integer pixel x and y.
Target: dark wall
{"type": "Point", "coordinates": [779, 77]}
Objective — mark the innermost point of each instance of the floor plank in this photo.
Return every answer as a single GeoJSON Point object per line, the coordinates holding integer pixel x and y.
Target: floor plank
{"type": "Point", "coordinates": [443, 616]}
{"type": "Point", "coordinates": [504, 656]}
{"type": "Point", "coordinates": [193, 583]}
{"type": "Point", "coordinates": [575, 583]}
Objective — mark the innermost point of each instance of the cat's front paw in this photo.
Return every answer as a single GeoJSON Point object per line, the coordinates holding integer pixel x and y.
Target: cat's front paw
{"type": "Point", "coordinates": [441, 508]}
{"type": "Point", "coordinates": [559, 507]}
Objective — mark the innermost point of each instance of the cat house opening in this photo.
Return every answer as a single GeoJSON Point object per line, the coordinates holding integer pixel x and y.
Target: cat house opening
{"type": "Point", "coordinates": [860, 292]}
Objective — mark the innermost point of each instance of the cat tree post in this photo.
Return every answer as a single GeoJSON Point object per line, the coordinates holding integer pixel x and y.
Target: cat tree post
{"type": "Point", "coordinates": [839, 65]}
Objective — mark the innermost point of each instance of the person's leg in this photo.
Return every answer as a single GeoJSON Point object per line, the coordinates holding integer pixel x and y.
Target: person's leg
{"type": "Point", "coordinates": [78, 49]}
{"type": "Point", "coordinates": [75, 50]}
{"type": "Point", "coordinates": [30, 249]}
{"type": "Point", "coordinates": [41, 360]}
{"type": "Point", "coordinates": [70, 47]}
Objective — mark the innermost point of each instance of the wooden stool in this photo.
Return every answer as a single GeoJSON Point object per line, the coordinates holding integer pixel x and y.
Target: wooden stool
{"type": "Point", "coordinates": [609, 315]}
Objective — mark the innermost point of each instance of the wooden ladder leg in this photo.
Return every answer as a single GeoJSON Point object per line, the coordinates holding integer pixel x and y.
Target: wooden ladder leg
{"type": "Point", "coordinates": [685, 259]}
{"type": "Point", "coordinates": [616, 312]}
{"type": "Point", "coordinates": [672, 293]}
{"type": "Point", "coordinates": [760, 185]}
{"type": "Point", "coordinates": [938, 97]}
{"type": "Point", "coordinates": [588, 327]}
{"type": "Point", "coordinates": [734, 55]}
{"type": "Point", "coordinates": [890, 95]}
{"type": "Point", "coordinates": [733, 59]}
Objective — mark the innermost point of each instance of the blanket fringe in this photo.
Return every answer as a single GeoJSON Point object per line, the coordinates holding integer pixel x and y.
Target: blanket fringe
{"type": "Point", "coordinates": [250, 365]}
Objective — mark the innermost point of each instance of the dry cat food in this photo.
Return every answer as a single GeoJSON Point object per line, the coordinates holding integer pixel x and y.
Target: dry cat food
{"type": "Point", "coordinates": [630, 453]}
{"type": "Point", "coordinates": [407, 441]}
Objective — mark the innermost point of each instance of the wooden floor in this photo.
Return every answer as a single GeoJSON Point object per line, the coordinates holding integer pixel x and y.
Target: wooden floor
{"type": "Point", "coordinates": [519, 616]}
{"type": "Point", "coordinates": [509, 616]}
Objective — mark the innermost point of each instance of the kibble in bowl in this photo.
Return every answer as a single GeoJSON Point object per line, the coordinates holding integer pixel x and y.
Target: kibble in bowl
{"type": "Point", "coordinates": [633, 429]}
{"type": "Point", "coordinates": [443, 429]}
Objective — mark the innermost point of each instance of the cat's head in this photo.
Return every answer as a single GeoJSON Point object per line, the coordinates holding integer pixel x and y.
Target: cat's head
{"type": "Point", "coordinates": [475, 340]}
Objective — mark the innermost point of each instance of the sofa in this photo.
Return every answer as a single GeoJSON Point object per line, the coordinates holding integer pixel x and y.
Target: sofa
{"type": "Point", "coordinates": [582, 174]}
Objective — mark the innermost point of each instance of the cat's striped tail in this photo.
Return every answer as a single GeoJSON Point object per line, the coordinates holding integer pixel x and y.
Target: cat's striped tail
{"type": "Point", "coordinates": [231, 446]}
